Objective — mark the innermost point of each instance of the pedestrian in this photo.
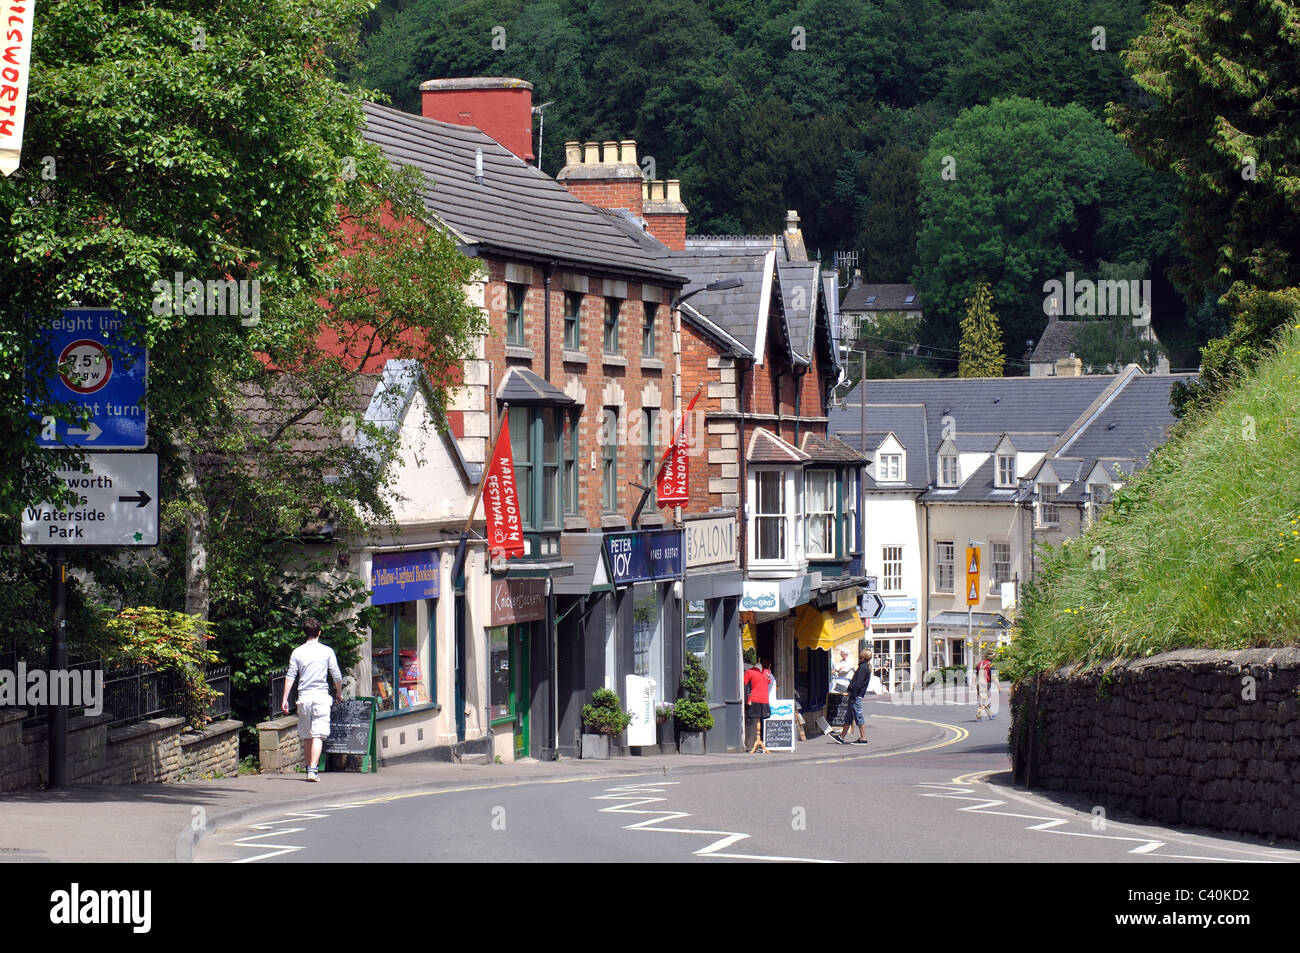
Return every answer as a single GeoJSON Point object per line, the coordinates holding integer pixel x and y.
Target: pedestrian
{"type": "Point", "coordinates": [757, 695]}
{"type": "Point", "coordinates": [983, 687]}
{"type": "Point", "coordinates": [857, 689]}
{"type": "Point", "coordinates": [311, 664]}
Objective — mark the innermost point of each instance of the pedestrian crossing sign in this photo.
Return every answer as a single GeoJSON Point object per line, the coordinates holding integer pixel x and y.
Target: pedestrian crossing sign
{"type": "Point", "coordinates": [973, 596]}
{"type": "Point", "coordinates": [972, 575]}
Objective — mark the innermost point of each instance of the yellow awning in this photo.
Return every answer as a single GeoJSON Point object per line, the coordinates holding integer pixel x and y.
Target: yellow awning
{"type": "Point", "coordinates": [815, 629]}
{"type": "Point", "coordinates": [747, 635]}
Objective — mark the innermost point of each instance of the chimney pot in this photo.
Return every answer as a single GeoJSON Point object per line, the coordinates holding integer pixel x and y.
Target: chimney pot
{"type": "Point", "coordinates": [572, 152]}
{"type": "Point", "coordinates": [629, 152]}
{"type": "Point", "coordinates": [609, 152]}
{"type": "Point", "coordinates": [591, 153]}
{"type": "Point", "coordinates": [673, 190]}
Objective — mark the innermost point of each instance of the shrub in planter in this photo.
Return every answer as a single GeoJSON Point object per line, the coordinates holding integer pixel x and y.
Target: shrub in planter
{"type": "Point", "coordinates": [692, 709]}
{"type": "Point", "coordinates": [605, 715]}
{"type": "Point", "coordinates": [663, 711]}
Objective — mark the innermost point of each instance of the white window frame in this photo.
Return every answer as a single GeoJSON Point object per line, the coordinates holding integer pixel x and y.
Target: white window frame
{"type": "Point", "coordinates": [826, 516]}
{"type": "Point", "coordinates": [1048, 512]}
{"type": "Point", "coordinates": [949, 461]}
{"type": "Point", "coordinates": [851, 498]}
{"type": "Point", "coordinates": [886, 576]}
{"type": "Point", "coordinates": [1094, 504]}
{"type": "Point", "coordinates": [1006, 469]}
{"type": "Point", "coordinates": [995, 578]}
{"type": "Point", "coordinates": [940, 562]}
{"type": "Point", "coordinates": [890, 469]}
{"type": "Point", "coordinates": [792, 502]}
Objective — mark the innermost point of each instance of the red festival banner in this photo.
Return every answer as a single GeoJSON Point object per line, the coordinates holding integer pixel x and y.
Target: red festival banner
{"type": "Point", "coordinates": [673, 486]}
{"type": "Point", "coordinates": [15, 58]}
{"type": "Point", "coordinates": [505, 534]}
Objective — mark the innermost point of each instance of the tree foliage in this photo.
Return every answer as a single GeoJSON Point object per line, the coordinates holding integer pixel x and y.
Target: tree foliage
{"type": "Point", "coordinates": [981, 337]}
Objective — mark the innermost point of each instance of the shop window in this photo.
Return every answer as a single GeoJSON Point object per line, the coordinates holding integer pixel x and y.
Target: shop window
{"type": "Point", "coordinates": [501, 697]}
{"type": "Point", "coordinates": [699, 632]}
{"type": "Point", "coordinates": [647, 634]}
{"type": "Point", "coordinates": [573, 320]}
{"type": "Point", "coordinates": [401, 657]}
{"type": "Point", "coordinates": [515, 295]}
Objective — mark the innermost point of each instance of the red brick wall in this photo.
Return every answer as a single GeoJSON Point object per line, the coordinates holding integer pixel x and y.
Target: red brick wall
{"type": "Point", "coordinates": [669, 229]}
{"type": "Point", "coordinates": [504, 114]}
{"type": "Point", "coordinates": [611, 193]}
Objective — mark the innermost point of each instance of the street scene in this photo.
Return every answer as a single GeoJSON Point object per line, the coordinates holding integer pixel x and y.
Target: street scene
{"type": "Point", "coordinates": [455, 431]}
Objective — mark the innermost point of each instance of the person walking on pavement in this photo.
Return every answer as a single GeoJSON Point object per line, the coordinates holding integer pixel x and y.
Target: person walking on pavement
{"type": "Point", "coordinates": [983, 687]}
{"type": "Point", "coordinates": [310, 665]}
{"type": "Point", "coordinates": [757, 694]}
{"type": "Point", "coordinates": [857, 689]}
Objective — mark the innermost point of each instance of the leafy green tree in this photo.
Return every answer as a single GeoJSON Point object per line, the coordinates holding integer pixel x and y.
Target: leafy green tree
{"type": "Point", "coordinates": [981, 338]}
{"type": "Point", "coordinates": [1226, 122]}
{"type": "Point", "coordinates": [1008, 191]}
{"type": "Point", "coordinates": [887, 241]}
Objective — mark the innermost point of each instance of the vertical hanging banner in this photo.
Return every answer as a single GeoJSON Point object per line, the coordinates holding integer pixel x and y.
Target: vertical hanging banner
{"type": "Point", "coordinates": [15, 58]}
{"type": "Point", "coordinates": [673, 483]}
{"type": "Point", "coordinates": [505, 532]}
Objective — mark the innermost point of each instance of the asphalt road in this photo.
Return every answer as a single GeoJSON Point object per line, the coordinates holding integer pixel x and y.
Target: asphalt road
{"type": "Point", "coordinates": [945, 797]}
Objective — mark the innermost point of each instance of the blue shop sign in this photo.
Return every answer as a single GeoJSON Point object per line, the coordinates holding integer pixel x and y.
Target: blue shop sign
{"type": "Point", "coordinates": [404, 577]}
{"type": "Point", "coordinates": [644, 557]}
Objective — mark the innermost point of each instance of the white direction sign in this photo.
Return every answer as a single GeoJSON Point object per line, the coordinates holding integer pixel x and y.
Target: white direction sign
{"type": "Point", "coordinates": [119, 504]}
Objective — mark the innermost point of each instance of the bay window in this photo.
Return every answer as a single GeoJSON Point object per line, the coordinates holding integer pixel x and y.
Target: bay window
{"type": "Point", "coordinates": [776, 517]}
{"type": "Point", "coordinates": [544, 443]}
{"type": "Point", "coordinates": [819, 495]}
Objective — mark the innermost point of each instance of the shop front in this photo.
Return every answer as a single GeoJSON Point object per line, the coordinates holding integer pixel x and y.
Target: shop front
{"type": "Point", "coordinates": [714, 585]}
{"type": "Point", "coordinates": [954, 636]}
{"type": "Point", "coordinates": [768, 606]}
{"type": "Point", "coordinates": [897, 651]}
{"type": "Point", "coordinates": [517, 622]}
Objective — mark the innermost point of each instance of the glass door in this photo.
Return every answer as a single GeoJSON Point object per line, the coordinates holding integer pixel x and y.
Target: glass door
{"type": "Point", "coordinates": [519, 695]}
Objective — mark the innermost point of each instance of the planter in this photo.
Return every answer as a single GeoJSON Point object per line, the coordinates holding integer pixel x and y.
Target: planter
{"type": "Point", "coordinates": [690, 742]}
{"type": "Point", "coordinates": [667, 736]}
{"type": "Point", "coordinates": [595, 747]}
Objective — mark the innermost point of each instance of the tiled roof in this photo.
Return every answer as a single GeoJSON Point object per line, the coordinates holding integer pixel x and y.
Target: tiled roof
{"type": "Point", "coordinates": [735, 311]}
{"type": "Point", "coordinates": [517, 209]}
{"type": "Point", "coordinates": [887, 298]}
{"type": "Point", "coordinates": [1057, 342]}
{"type": "Point", "coordinates": [829, 450]}
{"type": "Point", "coordinates": [522, 386]}
{"type": "Point", "coordinates": [767, 447]}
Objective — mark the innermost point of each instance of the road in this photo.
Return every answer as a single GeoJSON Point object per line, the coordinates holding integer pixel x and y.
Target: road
{"type": "Point", "coordinates": [942, 794]}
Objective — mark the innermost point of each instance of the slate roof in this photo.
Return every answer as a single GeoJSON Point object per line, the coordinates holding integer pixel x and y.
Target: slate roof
{"type": "Point", "coordinates": [522, 386]}
{"type": "Point", "coordinates": [888, 298]}
{"type": "Point", "coordinates": [518, 210]}
{"type": "Point", "coordinates": [1057, 342]}
{"type": "Point", "coordinates": [829, 450]}
{"type": "Point", "coordinates": [767, 447]}
{"type": "Point", "coordinates": [734, 311]}
{"type": "Point", "coordinates": [799, 300]}
{"type": "Point", "coordinates": [906, 421]}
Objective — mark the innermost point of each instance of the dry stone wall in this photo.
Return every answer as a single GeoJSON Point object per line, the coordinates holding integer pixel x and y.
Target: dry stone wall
{"type": "Point", "coordinates": [1194, 737]}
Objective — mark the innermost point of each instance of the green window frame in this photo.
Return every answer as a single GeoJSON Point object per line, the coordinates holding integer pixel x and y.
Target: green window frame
{"type": "Point", "coordinates": [611, 325]}
{"type": "Point", "coordinates": [542, 464]}
{"type": "Point", "coordinates": [648, 329]}
{"type": "Point", "coordinates": [648, 460]}
{"type": "Point", "coordinates": [515, 296]}
{"type": "Point", "coordinates": [398, 638]}
{"type": "Point", "coordinates": [573, 320]}
{"type": "Point", "coordinates": [609, 460]}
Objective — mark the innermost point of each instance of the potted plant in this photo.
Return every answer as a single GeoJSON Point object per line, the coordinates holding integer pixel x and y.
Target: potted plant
{"type": "Point", "coordinates": [603, 719]}
{"type": "Point", "coordinates": [692, 710]}
{"type": "Point", "coordinates": [664, 726]}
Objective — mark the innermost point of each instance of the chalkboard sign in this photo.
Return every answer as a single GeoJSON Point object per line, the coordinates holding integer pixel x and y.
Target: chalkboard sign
{"type": "Point", "coordinates": [778, 734]}
{"type": "Point", "coordinates": [838, 708]}
{"type": "Point", "coordinates": [352, 730]}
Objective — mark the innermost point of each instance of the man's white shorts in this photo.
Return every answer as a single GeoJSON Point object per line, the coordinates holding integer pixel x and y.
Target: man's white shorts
{"type": "Point", "coordinates": [314, 717]}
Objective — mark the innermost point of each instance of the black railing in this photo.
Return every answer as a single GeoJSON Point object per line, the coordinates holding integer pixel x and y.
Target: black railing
{"type": "Point", "coordinates": [127, 694]}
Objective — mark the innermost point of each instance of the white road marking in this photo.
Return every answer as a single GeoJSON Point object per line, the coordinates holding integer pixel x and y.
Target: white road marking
{"type": "Point", "coordinates": [959, 790]}
{"type": "Point", "coordinates": [642, 794]}
{"type": "Point", "coordinates": [271, 829]}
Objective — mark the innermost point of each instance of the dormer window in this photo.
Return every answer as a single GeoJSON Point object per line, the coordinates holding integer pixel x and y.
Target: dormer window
{"type": "Point", "coordinates": [890, 468]}
{"type": "Point", "coordinates": [1006, 469]}
{"type": "Point", "coordinates": [1099, 494]}
{"type": "Point", "coordinates": [948, 469]}
{"type": "Point", "coordinates": [1048, 514]}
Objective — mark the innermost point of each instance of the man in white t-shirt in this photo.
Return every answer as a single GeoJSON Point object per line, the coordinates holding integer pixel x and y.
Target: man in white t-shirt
{"type": "Point", "coordinates": [311, 665]}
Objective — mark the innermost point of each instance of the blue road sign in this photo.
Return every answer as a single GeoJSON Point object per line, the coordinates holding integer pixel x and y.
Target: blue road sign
{"type": "Point", "coordinates": [87, 361]}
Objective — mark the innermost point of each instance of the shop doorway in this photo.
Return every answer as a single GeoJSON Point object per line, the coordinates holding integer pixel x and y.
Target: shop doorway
{"type": "Point", "coordinates": [511, 697]}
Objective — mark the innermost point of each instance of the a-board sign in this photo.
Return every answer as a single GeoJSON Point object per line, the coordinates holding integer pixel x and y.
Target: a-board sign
{"type": "Point", "coordinates": [352, 730]}
{"type": "Point", "coordinates": [838, 708]}
{"type": "Point", "coordinates": [778, 731]}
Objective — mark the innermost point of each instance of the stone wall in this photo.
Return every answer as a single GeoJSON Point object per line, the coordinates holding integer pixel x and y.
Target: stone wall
{"type": "Point", "coordinates": [156, 750]}
{"type": "Point", "coordinates": [279, 750]}
{"type": "Point", "coordinates": [1195, 737]}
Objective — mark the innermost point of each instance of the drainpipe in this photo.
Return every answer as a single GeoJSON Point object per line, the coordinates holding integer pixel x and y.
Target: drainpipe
{"type": "Point", "coordinates": [744, 466]}
{"type": "Point", "coordinates": [924, 617]}
{"type": "Point", "coordinates": [546, 323]}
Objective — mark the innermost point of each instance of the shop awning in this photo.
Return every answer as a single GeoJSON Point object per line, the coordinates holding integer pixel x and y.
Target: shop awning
{"type": "Point", "coordinates": [818, 629]}
{"type": "Point", "coordinates": [747, 635]}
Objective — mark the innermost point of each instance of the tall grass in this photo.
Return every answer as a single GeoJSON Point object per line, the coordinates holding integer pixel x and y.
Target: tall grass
{"type": "Point", "coordinates": [1201, 549]}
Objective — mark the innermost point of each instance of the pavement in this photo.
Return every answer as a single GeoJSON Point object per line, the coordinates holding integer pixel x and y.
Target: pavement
{"type": "Point", "coordinates": [162, 823]}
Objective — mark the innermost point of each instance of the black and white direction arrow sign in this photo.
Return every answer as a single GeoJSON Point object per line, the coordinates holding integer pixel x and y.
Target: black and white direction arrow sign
{"type": "Point", "coordinates": [873, 605]}
{"type": "Point", "coordinates": [118, 505]}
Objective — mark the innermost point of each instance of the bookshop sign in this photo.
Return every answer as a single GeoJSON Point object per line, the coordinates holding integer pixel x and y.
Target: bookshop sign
{"type": "Point", "coordinates": [404, 577]}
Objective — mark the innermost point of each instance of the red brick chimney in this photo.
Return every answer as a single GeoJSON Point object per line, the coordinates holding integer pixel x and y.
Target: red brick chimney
{"type": "Point", "coordinates": [664, 213]}
{"type": "Point", "coordinates": [499, 106]}
{"type": "Point", "coordinates": [611, 180]}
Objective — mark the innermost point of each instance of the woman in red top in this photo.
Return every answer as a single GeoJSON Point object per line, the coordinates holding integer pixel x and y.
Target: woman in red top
{"type": "Point", "coordinates": [756, 696]}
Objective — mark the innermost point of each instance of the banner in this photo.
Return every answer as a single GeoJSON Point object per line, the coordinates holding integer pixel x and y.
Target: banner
{"type": "Point", "coordinates": [505, 535]}
{"type": "Point", "coordinates": [15, 58]}
{"type": "Point", "coordinates": [673, 482]}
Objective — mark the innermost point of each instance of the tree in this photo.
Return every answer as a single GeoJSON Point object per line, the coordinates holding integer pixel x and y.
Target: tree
{"type": "Point", "coordinates": [1226, 122]}
{"type": "Point", "coordinates": [888, 237]}
{"type": "Point", "coordinates": [981, 337]}
{"type": "Point", "coordinates": [1017, 191]}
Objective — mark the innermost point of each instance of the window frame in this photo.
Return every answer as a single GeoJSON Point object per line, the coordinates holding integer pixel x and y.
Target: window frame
{"type": "Point", "coordinates": [531, 473]}
{"type": "Point", "coordinates": [946, 461]}
{"type": "Point", "coordinates": [650, 421]}
{"type": "Point", "coordinates": [610, 339]}
{"type": "Point", "coordinates": [885, 562]}
{"type": "Point", "coordinates": [890, 469]}
{"type": "Point", "coordinates": [1006, 479]}
{"type": "Point", "coordinates": [1049, 514]}
{"type": "Point", "coordinates": [790, 517]}
{"type": "Point", "coordinates": [996, 578]}
{"type": "Point", "coordinates": [829, 515]}
{"type": "Point", "coordinates": [573, 320]}
{"type": "Point", "coordinates": [609, 460]}
{"type": "Point", "coordinates": [648, 321]}
{"type": "Point", "coordinates": [515, 315]}
{"type": "Point", "coordinates": [940, 563]}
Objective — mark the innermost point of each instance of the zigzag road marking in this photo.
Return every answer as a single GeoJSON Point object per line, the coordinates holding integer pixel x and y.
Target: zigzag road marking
{"type": "Point", "coordinates": [271, 829]}
{"type": "Point", "coordinates": [638, 795]}
{"type": "Point", "coordinates": [960, 790]}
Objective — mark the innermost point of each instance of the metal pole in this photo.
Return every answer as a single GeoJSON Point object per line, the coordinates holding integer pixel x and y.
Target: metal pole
{"type": "Point", "coordinates": [58, 737]}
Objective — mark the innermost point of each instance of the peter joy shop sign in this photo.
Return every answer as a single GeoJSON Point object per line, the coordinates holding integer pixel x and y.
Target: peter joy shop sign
{"type": "Point", "coordinates": [16, 22]}
{"type": "Point", "coordinates": [404, 577]}
{"type": "Point", "coordinates": [642, 557]}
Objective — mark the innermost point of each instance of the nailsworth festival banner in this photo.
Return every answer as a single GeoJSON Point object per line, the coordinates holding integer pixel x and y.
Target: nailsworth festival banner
{"type": "Point", "coordinates": [15, 58]}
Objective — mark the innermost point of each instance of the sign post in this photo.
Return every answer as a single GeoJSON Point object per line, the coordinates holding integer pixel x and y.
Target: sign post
{"type": "Point", "coordinates": [972, 599]}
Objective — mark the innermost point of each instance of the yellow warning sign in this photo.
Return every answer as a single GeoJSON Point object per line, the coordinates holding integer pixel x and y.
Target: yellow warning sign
{"type": "Point", "coordinates": [972, 575]}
